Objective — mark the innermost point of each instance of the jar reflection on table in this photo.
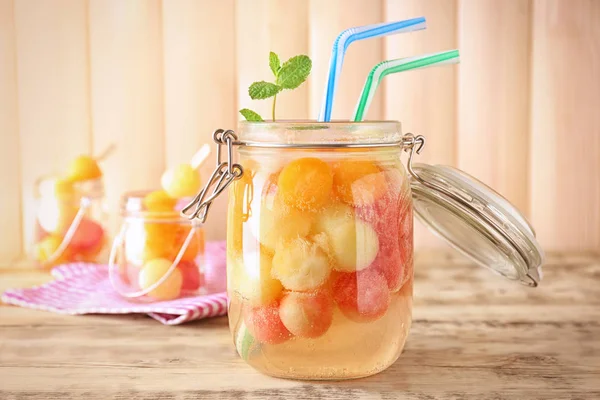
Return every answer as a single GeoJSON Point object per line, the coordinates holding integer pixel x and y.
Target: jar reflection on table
{"type": "Point", "coordinates": [151, 243]}
{"type": "Point", "coordinates": [320, 260]}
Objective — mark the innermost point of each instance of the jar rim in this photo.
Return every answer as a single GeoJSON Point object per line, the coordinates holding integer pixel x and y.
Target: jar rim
{"type": "Point", "coordinates": [312, 133]}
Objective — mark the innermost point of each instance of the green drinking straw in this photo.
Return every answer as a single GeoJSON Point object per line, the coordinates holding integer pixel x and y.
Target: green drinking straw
{"type": "Point", "coordinates": [391, 67]}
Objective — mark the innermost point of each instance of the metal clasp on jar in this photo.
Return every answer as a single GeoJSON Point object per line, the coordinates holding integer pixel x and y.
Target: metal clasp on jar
{"type": "Point", "coordinates": [227, 171]}
{"type": "Point", "coordinates": [224, 174]}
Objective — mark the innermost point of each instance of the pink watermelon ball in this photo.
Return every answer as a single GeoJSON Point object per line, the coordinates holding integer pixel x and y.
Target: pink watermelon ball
{"type": "Point", "coordinates": [362, 296]}
{"type": "Point", "coordinates": [265, 324]}
{"type": "Point", "coordinates": [191, 276]}
{"type": "Point", "coordinates": [394, 260]}
{"type": "Point", "coordinates": [88, 235]}
{"type": "Point", "coordinates": [391, 217]}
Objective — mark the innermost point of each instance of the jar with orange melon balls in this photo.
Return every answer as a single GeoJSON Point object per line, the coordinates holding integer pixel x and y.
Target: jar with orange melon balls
{"type": "Point", "coordinates": [158, 254]}
{"type": "Point", "coordinates": [71, 216]}
{"type": "Point", "coordinates": [320, 240]}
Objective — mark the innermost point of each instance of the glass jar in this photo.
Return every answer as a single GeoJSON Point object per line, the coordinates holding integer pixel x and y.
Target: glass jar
{"type": "Point", "coordinates": [320, 241]}
{"type": "Point", "coordinates": [71, 221]}
{"type": "Point", "coordinates": [157, 255]}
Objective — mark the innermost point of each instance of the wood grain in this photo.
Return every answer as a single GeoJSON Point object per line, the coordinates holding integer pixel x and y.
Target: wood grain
{"type": "Point", "coordinates": [493, 114]}
{"type": "Point", "coordinates": [53, 100]}
{"type": "Point", "coordinates": [10, 179]}
{"type": "Point", "coordinates": [424, 101]}
{"type": "Point", "coordinates": [127, 94]}
{"type": "Point", "coordinates": [474, 335]}
{"type": "Point", "coordinates": [199, 84]}
{"type": "Point", "coordinates": [565, 124]}
{"type": "Point", "coordinates": [283, 30]}
{"type": "Point", "coordinates": [327, 20]}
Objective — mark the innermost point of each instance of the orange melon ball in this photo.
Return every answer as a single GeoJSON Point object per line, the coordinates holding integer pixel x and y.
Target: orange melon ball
{"type": "Point", "coordinates": [83, 168]}
{"type": "Point", "coordinates": [307, 315]}
{"type": "Point", "coordinates": [279, 222]}
{"type": "Point", "coordinates": [358, 182]}
{"type": "Point", "coordinates": [196, 245]}
{"type": "Point", "coordinates": [45, 249]}
{"type": "Point", "coordinates": [252, 279]}
{"type": "Point", "coordinates": [306, 183]}
{"type": "Point", "coordinates": [159, 201]}
{"type": "Point", "coordinates": [265, 324]}
{"type": "Point", "coordinates": [181, 181]}
{"type": "Point", "coordinates": [153, 271]}
{"type": "Point", "coordinates": [361, 296]}
{"type": "Point", "coordinates": [300, 265]}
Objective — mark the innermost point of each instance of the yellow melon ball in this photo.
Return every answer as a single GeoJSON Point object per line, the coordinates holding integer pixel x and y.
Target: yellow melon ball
{"type": "Point", "coordinates": [279, 222]}
{"type": "Point", "coordinates": [353, 244]}
{"type": "Point", "coordinates": [83, 168]}
{"type": "Point", "coordinates": [181, 181]}
{"type": "Point", "coordinates": [300, 265]}
{"type": "Point", "coordinates": [331, 217]}
{"type": "Point", "coordinates": [252, 279]}
{"type": "Point", "coordinates": [159, 201]}
{"type": "Point", "coordinates": [153, 271]}
{"type": "Point", "coordinates": [306, 183]}
{"type": "Point", "coordinates": [358, 182]}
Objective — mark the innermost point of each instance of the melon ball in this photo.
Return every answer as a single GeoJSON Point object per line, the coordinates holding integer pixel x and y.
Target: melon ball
{"type": "Point", "coordinates": [331, 217]}
{"type": "Point", "coordinates": [264, 323]}
{"type": "Point", "coordinates": [354, 245]}
{"type": "Point", "coordinates": [361, 296]}
{"type": "Point", "coordinates": [88, 235]}
{"type": "Point", "coordinates": [306, 184]}
{"type": "Point", "coordinates": [153, 271]}
{"type": "Point", "coordinates": [278, 222]}
{"type": "Point", "coordinates": [181, 181]}
{"type": "Point", "coordinates": [159, 201]}
{"type": "Point", "coordinates": [83, 168]}
{"type": "Point", "coordinates": [252, 279]}
{"type": "Point", "coordinates": [300, 264]}
{"type": "Point", "coordinates": [191, 277]}
{"type": "Point", "coordinates": [358, 182]}
{"type": "Point", "coordinates": [307, 315]}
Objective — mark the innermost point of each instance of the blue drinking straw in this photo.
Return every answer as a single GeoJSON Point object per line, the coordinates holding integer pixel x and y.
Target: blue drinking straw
{"type": "Point", "coordinates": [341, 45]}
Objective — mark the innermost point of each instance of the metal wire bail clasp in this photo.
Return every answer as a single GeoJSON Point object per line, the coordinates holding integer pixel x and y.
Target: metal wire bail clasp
{"type": "Point", "coordinates": [413, 144]}
{"type": "Point", "coordinates": [224, 174]}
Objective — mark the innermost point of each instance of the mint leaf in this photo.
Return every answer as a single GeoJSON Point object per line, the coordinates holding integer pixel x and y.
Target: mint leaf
{"type": "Point", "coordinates": [263, 90]}
{"type": "Point", "coordinates": [274, 63]}
{"type": "Point", "coordinates": [250, 115]}
{"type": "Point", "coordinates": [294, 71]}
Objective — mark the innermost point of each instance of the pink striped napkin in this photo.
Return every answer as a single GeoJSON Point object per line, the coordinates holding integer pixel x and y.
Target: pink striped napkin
{"type": "Point", "coordinates": [83, 288]}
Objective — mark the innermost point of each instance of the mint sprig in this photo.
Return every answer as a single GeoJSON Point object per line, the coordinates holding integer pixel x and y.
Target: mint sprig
{"type": "Point", "coordinates": [288, 76]}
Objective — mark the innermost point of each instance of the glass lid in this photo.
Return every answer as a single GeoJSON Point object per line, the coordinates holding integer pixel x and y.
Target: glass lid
{"type": "Point", "coordinates": [477, 221]}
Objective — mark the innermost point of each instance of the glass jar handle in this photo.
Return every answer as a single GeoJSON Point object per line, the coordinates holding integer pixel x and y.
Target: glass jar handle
{"type": "Point", "coordinates": [224, 174]}
{"type": "Point", "coordinates": [83, 206]}
{"type": "Point", "coordinates": [112, 265]}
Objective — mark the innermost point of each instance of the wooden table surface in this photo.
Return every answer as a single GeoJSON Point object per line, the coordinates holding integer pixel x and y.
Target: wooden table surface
{"type": "Point", "coordinates": [474, 336]}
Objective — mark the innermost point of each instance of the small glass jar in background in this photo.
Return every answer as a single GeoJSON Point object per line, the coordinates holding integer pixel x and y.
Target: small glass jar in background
{"type": "Point", "coordinates": [71, 220]}
{"type": "Point", "coordinates": [158, 254]}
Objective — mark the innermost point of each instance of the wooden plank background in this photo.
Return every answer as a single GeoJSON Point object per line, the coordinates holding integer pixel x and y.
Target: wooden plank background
{"type": "Point", "coordinates": [157, 77]}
